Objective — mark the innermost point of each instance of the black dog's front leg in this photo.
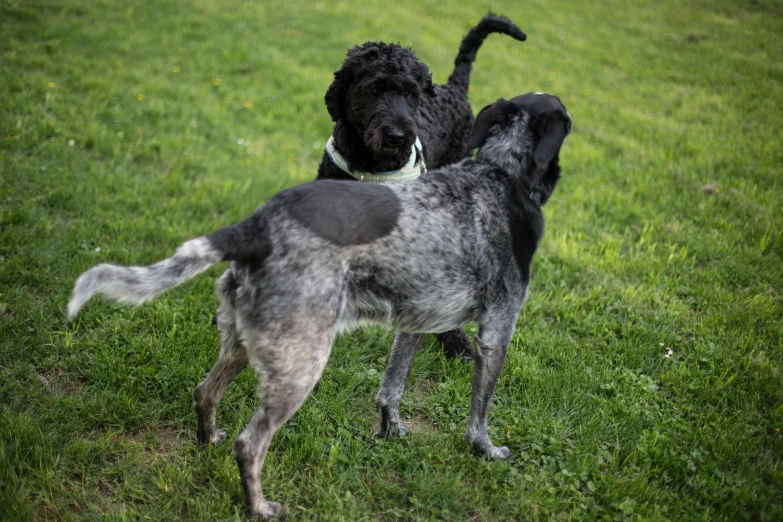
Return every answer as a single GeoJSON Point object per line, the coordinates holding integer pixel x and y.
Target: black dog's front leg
{"type": "Point", "coordinates": [456, 344]}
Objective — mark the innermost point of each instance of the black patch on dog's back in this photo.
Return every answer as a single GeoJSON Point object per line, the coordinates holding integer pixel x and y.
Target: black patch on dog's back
{"type": "Point", "coordinates": [344, 212]}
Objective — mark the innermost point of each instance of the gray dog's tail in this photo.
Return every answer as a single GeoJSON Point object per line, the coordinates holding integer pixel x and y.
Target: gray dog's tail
{"type": "Point", "coordinates": [491, 23]}
{"type": "Point", "coordinates": [244, 242]}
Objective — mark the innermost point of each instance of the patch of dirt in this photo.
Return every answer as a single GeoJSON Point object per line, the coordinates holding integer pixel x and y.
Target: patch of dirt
{"type": "Point", "coordinates": [418, 424]}
{"type": "Point", "coordinates": [47, 386]}
{"type": "Point", "coordinates": [394, 478]}
{"type": "Point", "coordinates": [167, 441]}
{"type": "Point", "coordinates": [105, 489]}
{"type": "Point", "coordinates": [421, 390]}
{"type": "Point", "coordinates": [170, 440]}
{"type": "Point", "coordinates": [59, 383]}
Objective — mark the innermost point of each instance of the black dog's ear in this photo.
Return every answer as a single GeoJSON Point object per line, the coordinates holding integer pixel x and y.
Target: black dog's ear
{"type": "Point", "coordinates": [335, 94]}
{"type": "Point", "coordinates": [424, 77]}
{"type": "Point", "coordinates": [337, 91]}
{"type": "Point", "coordinates": [552, 128]}
{"type": "Point", "coordinates": [488, 117]}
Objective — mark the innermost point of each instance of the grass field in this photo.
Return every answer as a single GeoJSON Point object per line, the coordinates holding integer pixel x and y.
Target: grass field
{"type": "Point", "coordinates": [127, 128]}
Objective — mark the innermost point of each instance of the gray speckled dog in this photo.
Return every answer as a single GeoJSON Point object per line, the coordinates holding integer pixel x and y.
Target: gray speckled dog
{"type": "Point", "coordinates": [425, 256]}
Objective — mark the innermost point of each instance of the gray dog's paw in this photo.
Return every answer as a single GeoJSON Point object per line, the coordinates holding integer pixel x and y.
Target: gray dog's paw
{"type": "Point", "coordinates": [393, 431]}
{"type": "Point", "coordinates": [219, 436]}
{"type": "Point", "coordinates": [269, 511]}
{"type": "Point", "coordinates": [216, 437]}
{"type": "Point", "coordinates": [493, 452]}
{"type": "Point", "coordinates": [499, 453]}
{"type": "Point", "coordinates": [483, 446]}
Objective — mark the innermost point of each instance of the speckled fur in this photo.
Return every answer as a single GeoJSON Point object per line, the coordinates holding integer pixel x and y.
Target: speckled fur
{"type": "Point", "coordinates": [459, 250]}
{"type": "Point", "coordinates": [439, 114]}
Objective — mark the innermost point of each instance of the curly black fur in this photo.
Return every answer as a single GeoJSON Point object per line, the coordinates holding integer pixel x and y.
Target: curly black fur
{"type": "Point", "coordinates": [383, 97]}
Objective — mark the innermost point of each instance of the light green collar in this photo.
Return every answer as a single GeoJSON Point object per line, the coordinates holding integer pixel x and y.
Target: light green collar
{"type": "Point", "coordinates": [411, 170]}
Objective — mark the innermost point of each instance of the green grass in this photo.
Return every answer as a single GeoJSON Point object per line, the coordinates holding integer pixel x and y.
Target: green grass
{"type": "Point", "coordinates": [119, 129]}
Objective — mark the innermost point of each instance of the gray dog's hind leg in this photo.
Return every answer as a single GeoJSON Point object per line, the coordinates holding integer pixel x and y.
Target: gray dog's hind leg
{"type": "Point", "coordinates": [287, 371]}
{"type": "Point", "coordinates": [393, 384]}
{"type": "Point", "coordinates": [232, 359]}
{"type": "Point", "coordinates": [491, 346]}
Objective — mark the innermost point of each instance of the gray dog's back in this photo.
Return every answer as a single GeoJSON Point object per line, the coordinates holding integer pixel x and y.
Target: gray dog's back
{"type": "Point", "coordinates": [411, 255]}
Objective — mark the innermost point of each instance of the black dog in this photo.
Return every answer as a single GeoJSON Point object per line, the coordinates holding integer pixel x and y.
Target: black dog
{"type": "Point", "coordinates": [390, 120]}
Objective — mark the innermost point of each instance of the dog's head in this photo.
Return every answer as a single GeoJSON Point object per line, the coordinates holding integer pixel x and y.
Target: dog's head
{"type": "Point", "coordinates": [377, 92]}
{"type": "Point", "coordinates": [523, 136]}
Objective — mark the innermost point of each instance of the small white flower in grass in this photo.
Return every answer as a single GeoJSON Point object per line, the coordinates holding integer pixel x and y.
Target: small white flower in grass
{"type": "Point", "coordinates": [71, 142]}
{"type": "Point", "coordinates": [97, 249]}
{"type": "Point", "coordinates": [668, 353]}
{"type": "Point", "coordinates": [240, 141]}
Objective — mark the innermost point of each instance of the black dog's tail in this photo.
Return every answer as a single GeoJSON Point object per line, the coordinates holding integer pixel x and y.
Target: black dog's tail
{"type": "Point", "coordinates": [244, 242]}
{"type": "Point", "coordinates": [470, 45]}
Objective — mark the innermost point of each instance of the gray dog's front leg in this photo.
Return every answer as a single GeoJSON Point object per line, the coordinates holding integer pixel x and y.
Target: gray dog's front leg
{"type": "Point", "coordinates": [393, 384]}
{"type": "Point", "coordinates": [488, 362]}
{"type": "Point", "coordinates": [490, 353]}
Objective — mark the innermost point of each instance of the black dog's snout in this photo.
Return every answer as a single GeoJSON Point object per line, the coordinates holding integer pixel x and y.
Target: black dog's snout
{"type": "Point", "coordinates": [394, 138]}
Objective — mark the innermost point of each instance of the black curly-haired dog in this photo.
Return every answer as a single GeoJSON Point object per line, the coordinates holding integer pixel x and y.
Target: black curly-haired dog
{"type": "Point", "coordinates": [390, 120]}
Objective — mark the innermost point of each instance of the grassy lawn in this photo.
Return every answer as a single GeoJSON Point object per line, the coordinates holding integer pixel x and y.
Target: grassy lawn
{"type": "Point", "coordinates": [127, 128]}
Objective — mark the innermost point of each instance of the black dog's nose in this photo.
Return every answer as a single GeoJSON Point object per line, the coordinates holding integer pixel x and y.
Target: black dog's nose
{"type": "Point", "coordinates": [394, 139]}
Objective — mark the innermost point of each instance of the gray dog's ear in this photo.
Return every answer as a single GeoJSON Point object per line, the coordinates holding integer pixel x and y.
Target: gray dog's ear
{"type": "Point", "coordinates": [335, 94]}
{"type": "Point", "coordinates": [551, 127]}
{"type": "Point", "coordinates": [424, 78]}
{"type": "Point", "coordinates": [491, 115]}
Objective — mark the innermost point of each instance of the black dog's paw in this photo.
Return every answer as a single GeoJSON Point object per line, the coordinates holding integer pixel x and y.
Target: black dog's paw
{"type": "Point", "coordinates": [456, 345]}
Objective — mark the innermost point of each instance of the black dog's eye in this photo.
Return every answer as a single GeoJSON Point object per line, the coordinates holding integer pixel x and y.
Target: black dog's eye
{"type": "Point", "coordinates": [408, 94]}
{"type": "Point", "coordinates": [374, 92]}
